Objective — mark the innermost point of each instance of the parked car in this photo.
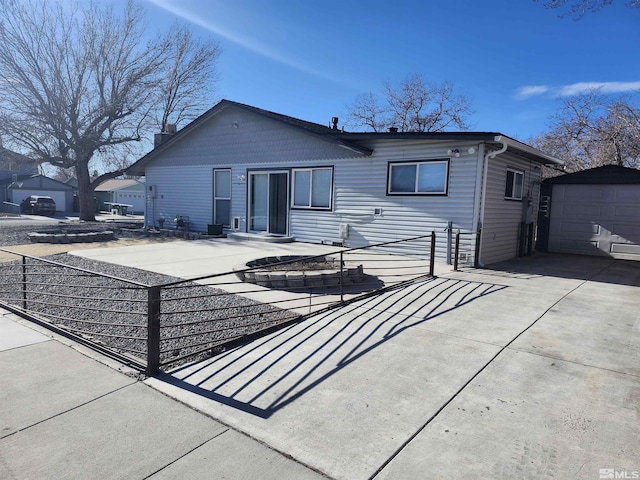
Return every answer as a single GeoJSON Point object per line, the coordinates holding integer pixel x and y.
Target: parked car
{"type": "Point", "coordinates": [38, 205]}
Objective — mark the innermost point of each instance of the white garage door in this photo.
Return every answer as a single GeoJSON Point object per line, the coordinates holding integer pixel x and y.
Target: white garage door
{"type": "Point", "coordinates": [133, 198]}
{"type": "Point", "coordinates": [58, 197]}
{"type": "Point", "coordinates": [596, 220]}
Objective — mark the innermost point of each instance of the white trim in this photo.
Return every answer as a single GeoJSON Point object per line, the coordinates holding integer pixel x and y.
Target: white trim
{"type": "Point", "coordinates": [516, 172]}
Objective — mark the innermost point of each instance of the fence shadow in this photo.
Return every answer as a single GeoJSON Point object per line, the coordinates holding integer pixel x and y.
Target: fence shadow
{"type": "Point", "coordinates": [267, 375]}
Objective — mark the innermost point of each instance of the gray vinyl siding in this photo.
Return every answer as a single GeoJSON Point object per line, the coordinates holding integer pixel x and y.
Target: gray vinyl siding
{"type": "Point", "coordinates": [360, 186]}
{"type": "Point", "coordinates": [502, 217]}
{"type": "Point", "coordinates": [183, 176]}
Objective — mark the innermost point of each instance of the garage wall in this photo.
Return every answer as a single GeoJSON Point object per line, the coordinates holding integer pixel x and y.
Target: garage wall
{"type": "Point", "coordinates": [19, 194]}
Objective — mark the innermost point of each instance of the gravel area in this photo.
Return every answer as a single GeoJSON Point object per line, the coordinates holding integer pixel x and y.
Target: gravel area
{"type": "Point", "coordinates": [194, 318]}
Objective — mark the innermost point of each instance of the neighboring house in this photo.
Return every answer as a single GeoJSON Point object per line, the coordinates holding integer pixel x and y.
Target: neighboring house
{"type": "Point", "coordinates": [61, 193]}
{"type": "Point", "coordinates": [592, 212]}
{"type": "Point", "coordinates": [252, 170]}
{"type": "Point", "coordinates": [13, 167]}
{"type": "Point", "coordinates": [126, 191]}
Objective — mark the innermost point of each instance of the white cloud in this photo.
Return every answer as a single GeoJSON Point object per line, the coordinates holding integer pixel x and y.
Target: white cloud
{"type": "Point", "coordinates": [527, 91]}
{"type": "Point", "coordinates": [531, 90]}
{"type": "Point", "coordinates": [605, 87]}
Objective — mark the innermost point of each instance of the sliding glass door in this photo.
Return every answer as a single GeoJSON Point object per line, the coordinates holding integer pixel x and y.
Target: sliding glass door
{"type": "Point", "coordinates": [269, 202]}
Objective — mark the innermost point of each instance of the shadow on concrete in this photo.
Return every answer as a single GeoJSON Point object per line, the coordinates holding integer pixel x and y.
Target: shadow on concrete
{"type": "Point", "coordinates": [267, 375]}
{"type": "Point", "coordinates": [578, 267]}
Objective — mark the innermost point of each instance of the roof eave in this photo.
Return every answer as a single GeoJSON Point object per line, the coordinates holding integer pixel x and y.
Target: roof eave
{"type": "Point", "coordinates": [530, 151]}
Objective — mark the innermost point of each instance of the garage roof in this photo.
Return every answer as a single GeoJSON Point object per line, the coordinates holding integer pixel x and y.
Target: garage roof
{"type": "Point", "coordinates": [606, 174]}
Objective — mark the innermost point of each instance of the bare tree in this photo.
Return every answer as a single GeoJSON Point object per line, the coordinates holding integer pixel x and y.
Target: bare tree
{"type": "Point", "coordinates": [80, 83]}
{"type": "Point", "coordinates": [412, 106]}
{"type": "Point", "coordinates": [592, 129]}
{"type": "Point", "coordinates": [190, 76]}
{"type": "Point", "coordinates": [578, 8]}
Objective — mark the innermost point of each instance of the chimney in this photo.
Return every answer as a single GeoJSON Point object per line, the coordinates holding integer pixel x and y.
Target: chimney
{"type": "Point", "coordinates": [334, 123]}
{"type": "Point", "coordinates": [393, 129]}
{"type": "Point", "coordinates": [168, 130]}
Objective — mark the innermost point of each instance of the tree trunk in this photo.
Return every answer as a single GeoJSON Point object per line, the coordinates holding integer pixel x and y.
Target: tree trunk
{"type": "Point", "coordinates": [85, 193]}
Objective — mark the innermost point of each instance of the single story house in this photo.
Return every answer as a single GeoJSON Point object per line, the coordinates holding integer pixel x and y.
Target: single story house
{"type": "Point", "coordinates": [127, 191]}
{"type": "Point", "coordinates": [61, 193]}
{"type": "Point", "coordinates": [261, 172]}
{"type": "Point", "coordinates": [592, 212]}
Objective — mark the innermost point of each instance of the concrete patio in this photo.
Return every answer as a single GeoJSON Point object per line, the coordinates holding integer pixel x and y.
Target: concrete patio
{"type": "Point", "coordinates": [530, 369]}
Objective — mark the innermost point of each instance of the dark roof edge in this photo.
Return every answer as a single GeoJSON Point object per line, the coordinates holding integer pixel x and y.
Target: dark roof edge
{"type": "Point", "coordinates": [486, 137]}
{"type": "Point", "coordinates": [602, 175]}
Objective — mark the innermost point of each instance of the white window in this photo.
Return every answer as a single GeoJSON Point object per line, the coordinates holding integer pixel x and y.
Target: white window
{"type": "Point", "coordinates": [515, 181]}
{"type": "Point", "coordinates": [312, 188]}
{"type": "Point", "coordinates": [427, 177]}
{"type": "Point", "coordinates": [222, 197]}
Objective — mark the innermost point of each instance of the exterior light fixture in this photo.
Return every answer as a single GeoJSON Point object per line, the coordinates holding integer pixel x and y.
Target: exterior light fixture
{"type": "Point", "coordinates": [454, 152]}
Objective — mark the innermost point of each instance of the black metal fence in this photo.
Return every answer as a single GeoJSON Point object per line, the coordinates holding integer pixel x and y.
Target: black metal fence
{"type": "Point", "coordinates": [154, 326]}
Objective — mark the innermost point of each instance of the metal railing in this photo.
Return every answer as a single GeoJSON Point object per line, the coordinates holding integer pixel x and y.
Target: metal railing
{"type": "Point", "coordinates": [154, 326]}
{"type": "Point", "coordinates": [10, 208]}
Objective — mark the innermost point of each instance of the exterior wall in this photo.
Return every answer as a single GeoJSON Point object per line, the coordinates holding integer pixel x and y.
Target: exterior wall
{"type": "Point", "coordinates": [183, 176]}
{"type": "Point", "coordinates": [502, 217]}
{"type": "Point", "coordinates": [360, 186]}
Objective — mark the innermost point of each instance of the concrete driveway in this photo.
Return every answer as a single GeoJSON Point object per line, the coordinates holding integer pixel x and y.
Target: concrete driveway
{"type": "Point", "coordinates": [530, 369]}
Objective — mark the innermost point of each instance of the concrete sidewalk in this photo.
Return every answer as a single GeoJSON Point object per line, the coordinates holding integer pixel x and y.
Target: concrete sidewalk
{"type": "Point", "coordinates": [527, 370]}
{"type": "Point", "coordinates": [66, 415]}
{"type": "Point", "coordinates": [530, 371]}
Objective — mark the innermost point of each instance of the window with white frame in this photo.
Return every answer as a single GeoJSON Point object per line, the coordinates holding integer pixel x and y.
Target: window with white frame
{"type": "Point", "coordinates": [424, 177]}
{"type": "Point", "coordinates": [514, 185]}
{"type": "Point", "coordinates": [222, 197]}
{"type": "Point", "coordinates": [312, 188]}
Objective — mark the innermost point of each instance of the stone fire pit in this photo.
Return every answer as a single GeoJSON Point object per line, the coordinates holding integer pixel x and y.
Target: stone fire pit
{"type": "Point", "coordinates": [302, 271]}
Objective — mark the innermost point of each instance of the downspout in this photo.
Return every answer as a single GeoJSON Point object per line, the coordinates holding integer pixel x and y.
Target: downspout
{"type": "Point", "coordinates": [491, 154]}
{"type": "Point", "coordinates": [476, 201]}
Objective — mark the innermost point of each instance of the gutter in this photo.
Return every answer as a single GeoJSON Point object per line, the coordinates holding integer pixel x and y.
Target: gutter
{"type": "Point", "coordinates": [485, 167]}
{"type": "Point", "coordinates": [516, 145]}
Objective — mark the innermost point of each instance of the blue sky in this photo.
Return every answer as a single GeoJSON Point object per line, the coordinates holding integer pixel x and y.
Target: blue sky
{"type": "Point", "coordinates": [514, 58]}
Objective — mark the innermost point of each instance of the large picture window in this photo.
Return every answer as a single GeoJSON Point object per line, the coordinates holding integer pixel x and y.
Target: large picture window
{"type": "Point", "coordinates": [427, 177]}
{"type": "Point", "coordinates": [312, 188]}
{"type": "Point", "coordinates": [513, 188]}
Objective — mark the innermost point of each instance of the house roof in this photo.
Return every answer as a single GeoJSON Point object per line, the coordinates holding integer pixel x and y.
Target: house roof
{"type": "Point", "coordinates": [326, 133]}
{"type": "Point", "coordinates": [352, 141]}
{"type": "Point", "coordinates": [40, 182]}
{"type": "Point", "coordinates": [606, 174]}
{"type": "Point", "coordinates": [116, 184]}
{"type": "Point", "coordinates": [10, 159]}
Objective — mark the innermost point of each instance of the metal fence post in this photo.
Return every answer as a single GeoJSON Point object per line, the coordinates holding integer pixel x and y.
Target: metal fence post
{"type": "Point", "coordinates": [449, 240]}
{"type": "Point", "coordinates": [24, 283]}
{"type": "Point", "coordinates": [432, 255]}
{"type": "Point", "coordinates": [456, 252]}
{"type": "Point", "coordinates": [341, 277]}
{"type": "Point", "coordinates": [153, 330]}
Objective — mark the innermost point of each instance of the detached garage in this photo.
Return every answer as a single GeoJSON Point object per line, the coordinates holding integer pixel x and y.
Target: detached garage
{"type": "Point", "coordinates": [61, 193]}
{"type": "Point", "coordinates": [593, 212]}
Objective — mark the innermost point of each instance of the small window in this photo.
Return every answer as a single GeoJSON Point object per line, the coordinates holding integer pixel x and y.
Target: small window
{"type": "Point", "coordinates": [515, 182]}
{"type": "Point", "coordinates": [312, 188]}
{"type": "Point", "coordinates": [222, 197]}
{"type": "Point", "coordinates": [429, 177]}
